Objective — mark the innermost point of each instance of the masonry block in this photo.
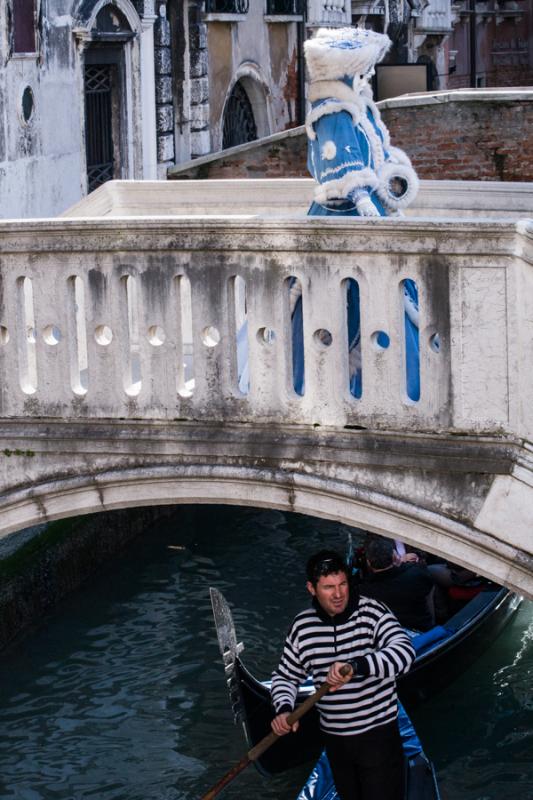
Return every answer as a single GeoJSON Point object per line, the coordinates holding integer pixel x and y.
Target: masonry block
{"type": "Point", "coordinates": [165, 147]}
{"type": "Point", "coordinates": [165, 118]}
{"type": "Point", "coordinates": [163, 61]}
{"type": "Point", "coordinates": [163, 89]}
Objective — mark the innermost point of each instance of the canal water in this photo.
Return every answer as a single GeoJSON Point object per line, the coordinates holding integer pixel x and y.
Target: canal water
{"type": "Point", "coordinates": [120, 694]}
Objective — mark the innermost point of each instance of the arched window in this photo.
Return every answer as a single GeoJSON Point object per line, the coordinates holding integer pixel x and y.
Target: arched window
{"type": "Point", "coordinates": [24, 26]}
{"type": "Point", "coordinates": [239, 122]}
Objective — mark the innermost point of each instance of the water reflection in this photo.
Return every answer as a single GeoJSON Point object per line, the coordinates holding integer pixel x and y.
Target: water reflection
{"type": "Point", "coordinates": [120, 695]}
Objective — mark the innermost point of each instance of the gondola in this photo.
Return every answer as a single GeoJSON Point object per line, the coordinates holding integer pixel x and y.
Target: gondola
{"type": "Point", "coordinates": [442, 654]}
{"type": "Point", "coordinates": [250, 700]}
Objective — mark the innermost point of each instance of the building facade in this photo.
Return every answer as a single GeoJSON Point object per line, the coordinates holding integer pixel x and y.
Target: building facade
{"type": "Point", "coordinates": [93, 90]}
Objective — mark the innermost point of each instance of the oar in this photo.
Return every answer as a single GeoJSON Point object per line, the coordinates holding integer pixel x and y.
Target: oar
{"type": "Point", "coordinates": [269, 739]}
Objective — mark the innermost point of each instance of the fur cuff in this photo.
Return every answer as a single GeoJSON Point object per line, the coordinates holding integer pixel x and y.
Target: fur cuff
{"type": "Point", "coordinates": [340, 188]}
{"type": "Point", "coordinates": [406, 177]}
{"type": "Point", "coordinates": [398, 156]}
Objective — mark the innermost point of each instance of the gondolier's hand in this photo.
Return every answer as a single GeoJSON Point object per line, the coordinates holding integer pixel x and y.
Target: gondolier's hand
{"type": "Point", "coordinates": [335, 678]}
{"type": "Point", "coordinates": [280, 727]}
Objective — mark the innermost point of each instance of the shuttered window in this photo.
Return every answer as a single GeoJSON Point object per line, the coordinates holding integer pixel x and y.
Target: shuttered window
{"type": "Point", "coordinates": [24, 19]}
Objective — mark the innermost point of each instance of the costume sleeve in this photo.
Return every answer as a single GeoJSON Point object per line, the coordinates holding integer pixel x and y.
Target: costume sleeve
{"type": "Point", "coordinates": [341, 167]}
{"type": "Point", "coordinates": [393, 654]}
{"type": "Point", "coordinates": [288, 676]}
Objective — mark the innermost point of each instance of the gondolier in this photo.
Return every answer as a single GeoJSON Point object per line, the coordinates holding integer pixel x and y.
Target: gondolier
{"type": "Point", "coordinates": [359, 715]}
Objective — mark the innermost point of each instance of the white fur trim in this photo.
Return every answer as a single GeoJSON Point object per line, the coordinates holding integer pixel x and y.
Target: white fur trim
{"type": "Point", "coordinates": [329, 150]}
{"type": "Point", "coordinates": [339, 167]}
{"type": "Point", "coordinates": [386, 174]}
{"type": "Point", "coordinates": [325, 90]}
{"type": "Point", "coordinates": [327, 60]}
{"type": "Point", "coordinates": [343, 186]}
{"type": "Point", "coordinates": [330, 107]}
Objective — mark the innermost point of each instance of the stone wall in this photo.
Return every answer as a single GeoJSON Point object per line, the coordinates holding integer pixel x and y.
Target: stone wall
{"type": "Point", "coordinates": [56, 559]}
{"type": "Point", "coordinates": [461, 135]}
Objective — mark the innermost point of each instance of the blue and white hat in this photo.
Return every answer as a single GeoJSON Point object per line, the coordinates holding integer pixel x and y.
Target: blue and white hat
{"type": "Point", "coordinates": [335, 52]}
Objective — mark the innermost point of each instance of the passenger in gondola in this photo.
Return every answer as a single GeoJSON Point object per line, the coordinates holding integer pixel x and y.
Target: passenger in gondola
{"type": "Point", "coordinates": [407, 587]}
{"type": "Point", "coordinates": [358, 717]}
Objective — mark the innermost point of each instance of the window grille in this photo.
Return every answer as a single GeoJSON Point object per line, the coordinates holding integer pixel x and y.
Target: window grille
{"type": "Point", "coordinates": [239, 122]}
{"type": "Point", "coordinates": [227, 6]}
{"type": "Point", "coordinates": [99, 125]}
{"type": "Point", "coordinates": [285, 7]}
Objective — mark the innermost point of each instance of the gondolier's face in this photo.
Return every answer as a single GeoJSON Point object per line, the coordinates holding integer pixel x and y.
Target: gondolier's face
{"type": "Point", "coordinates": [332, 592]}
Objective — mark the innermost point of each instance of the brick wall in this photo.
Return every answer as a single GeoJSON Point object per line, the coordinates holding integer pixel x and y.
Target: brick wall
{"type": "Point", "coordinates": [472, 135]}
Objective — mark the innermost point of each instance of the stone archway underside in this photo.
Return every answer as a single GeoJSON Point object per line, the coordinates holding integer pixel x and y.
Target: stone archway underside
{"type": "Point", "coordinates": [427, 491]}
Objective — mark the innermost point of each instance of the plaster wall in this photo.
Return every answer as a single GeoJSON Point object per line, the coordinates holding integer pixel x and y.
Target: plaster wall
{"type": "Point", "coordinates": [264, 55]}
{"type": "Point", "coordinates": [41, 161]}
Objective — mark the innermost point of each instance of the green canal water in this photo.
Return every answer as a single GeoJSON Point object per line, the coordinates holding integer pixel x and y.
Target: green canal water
{"type": "Point", "coordinates": [120, 695]}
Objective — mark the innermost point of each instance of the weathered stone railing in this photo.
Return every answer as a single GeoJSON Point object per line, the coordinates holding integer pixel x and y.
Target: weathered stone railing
{"type": "Point", "coordinates": [103, 317]}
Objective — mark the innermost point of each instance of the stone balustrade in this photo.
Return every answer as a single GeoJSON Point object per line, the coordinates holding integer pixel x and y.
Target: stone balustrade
{"type": "Point", "coordinates": [329, 12]}
{"type": "Point", "coordinates": [138, 317]}
{"type": "Point", "coordinates": [436, 17]}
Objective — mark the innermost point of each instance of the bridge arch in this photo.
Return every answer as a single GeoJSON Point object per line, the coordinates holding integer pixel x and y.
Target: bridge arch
{"type": "Point", "coordinates": [255, 486]}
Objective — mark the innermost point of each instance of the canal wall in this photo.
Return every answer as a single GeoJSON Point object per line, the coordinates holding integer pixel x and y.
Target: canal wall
{"type": "Point", "coordinates": [41, 565]}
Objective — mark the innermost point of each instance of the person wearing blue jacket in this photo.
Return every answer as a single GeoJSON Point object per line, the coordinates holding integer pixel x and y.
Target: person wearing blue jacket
{"type": "Point", "coordinates": [358, 172]}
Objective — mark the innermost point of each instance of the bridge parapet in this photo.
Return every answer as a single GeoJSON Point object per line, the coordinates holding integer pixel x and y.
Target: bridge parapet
{"type": "Point", "coordinates": [99, 317]}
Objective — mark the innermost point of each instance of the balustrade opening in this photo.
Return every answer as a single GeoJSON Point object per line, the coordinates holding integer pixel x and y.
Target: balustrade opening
{"type": "Point", "coordinates": [27, 336]}
{"type": "Point", "coordinates": [240, 328]}
{"type": "Point", "coordinates": [77, 338]}
{"type": "Point", "coordinates": [411, 343]}
{"type": "Point", "coordinates": [295, 298]}
{"type": "Point", "coordinates": [185, 350]}
{"type": "Point", "coordinates": [353, 327]}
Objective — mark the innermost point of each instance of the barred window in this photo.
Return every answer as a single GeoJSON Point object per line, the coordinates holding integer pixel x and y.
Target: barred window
{"type": "Point", "coordinates": [24, 19]}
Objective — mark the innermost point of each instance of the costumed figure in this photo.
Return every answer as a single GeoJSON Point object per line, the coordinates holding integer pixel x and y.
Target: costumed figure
{"type": "Point", "coordinates": [359, 173]}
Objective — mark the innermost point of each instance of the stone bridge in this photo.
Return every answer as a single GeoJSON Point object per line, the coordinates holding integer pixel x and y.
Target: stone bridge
{"type": "Point", "coordinates": [119, 362]}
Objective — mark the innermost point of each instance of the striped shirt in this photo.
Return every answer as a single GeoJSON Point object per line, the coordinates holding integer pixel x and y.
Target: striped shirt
{"type": "Point", "coordinates": [368, 636]}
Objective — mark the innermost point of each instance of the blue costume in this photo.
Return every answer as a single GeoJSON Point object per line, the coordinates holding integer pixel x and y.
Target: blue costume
{"type": "Point", "coordinates": [358, 172]}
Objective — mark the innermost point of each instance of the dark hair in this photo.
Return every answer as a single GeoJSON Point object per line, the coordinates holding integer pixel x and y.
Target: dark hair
{"type": "Point", "coordinates": [379, 552]}
{"type": "Point", "coordinates": [325, 562]}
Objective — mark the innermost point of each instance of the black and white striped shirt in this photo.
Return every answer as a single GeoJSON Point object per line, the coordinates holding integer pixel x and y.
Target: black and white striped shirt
{"type": "Point", "coordinates": [368, 636]}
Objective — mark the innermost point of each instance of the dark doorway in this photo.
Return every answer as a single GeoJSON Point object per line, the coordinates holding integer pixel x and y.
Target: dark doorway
{"type": "Point", "coordinates": [239, 122]}
{"type": "Point", "coordinates": [100, 130]}
{"type": "Point", "coordinates": [105, 98]}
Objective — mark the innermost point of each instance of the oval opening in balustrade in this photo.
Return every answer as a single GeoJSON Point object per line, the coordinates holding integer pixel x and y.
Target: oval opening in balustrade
{"type": "Point", "coordinates": [237, 288]}
{"type": "Point", "coordinates": [380, 340]}
{"type": "Point", "coordinates": [266, 336]}
{"type": "Point", "coordinates": [210, 336]}
{"type": "Point", "coordinates": [77, 337]}
{"type": "Point", "coordinates": [322, 338]}
{"type": "Point", "coordinates": [353, 329]}
{"type": "Point", "coordinates": [26, 337]}
{"type": "Point", "coordinates": [434, 343]}
{"type": "Point", "coordinates": [156, 335]}
{"type": "Point", "coordinates": [4, 335]}
{"type": "Point", "coordinates": [185, 350]}
{"type": "Point", "coordinates": [295, 301]}
{"type": "Point", "coordinates": [103, 335]}
{"type": "Point", "coordinates": [411, 343]}
{"type": "Point", "coordinates": [52, 335]}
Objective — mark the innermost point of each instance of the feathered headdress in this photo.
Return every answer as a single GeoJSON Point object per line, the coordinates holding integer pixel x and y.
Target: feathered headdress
{"type": "Point", "coordinates": [336, 52]}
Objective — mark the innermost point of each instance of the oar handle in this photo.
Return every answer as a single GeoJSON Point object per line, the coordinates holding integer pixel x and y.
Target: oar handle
{"type": "Point", "coordinates": [269, 739]}
{"type": "Point", "coordinates": [294, 716]}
